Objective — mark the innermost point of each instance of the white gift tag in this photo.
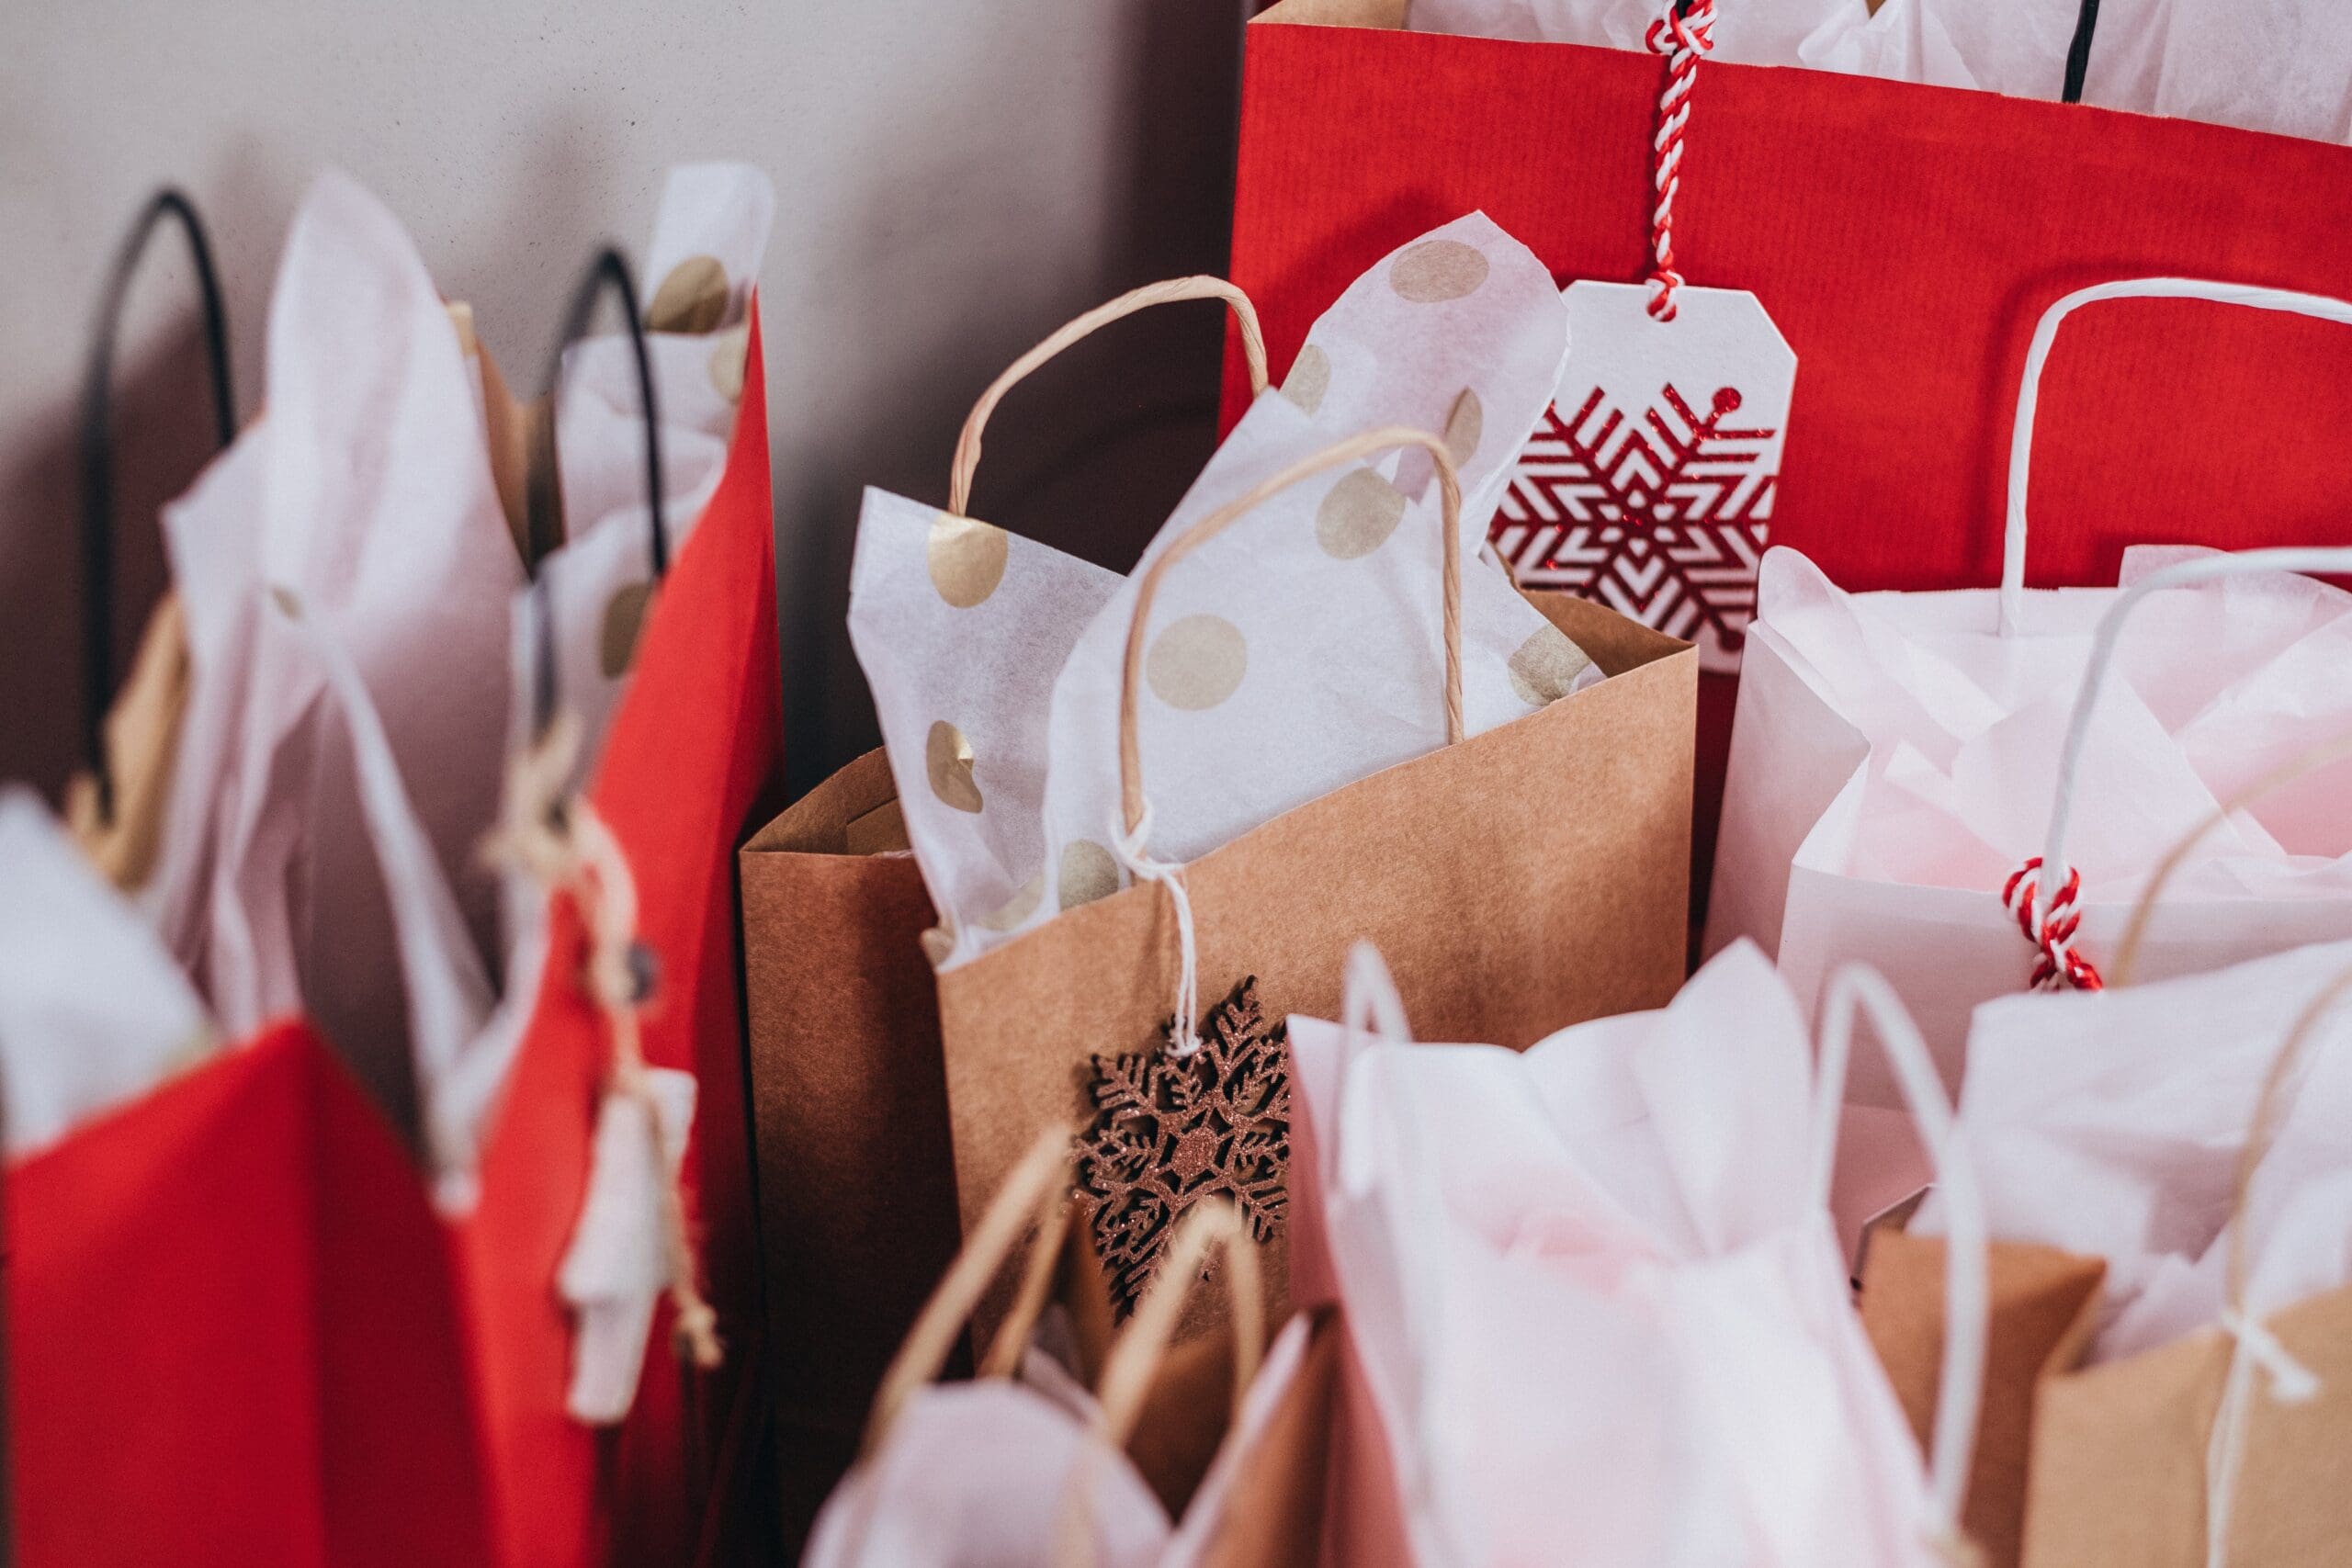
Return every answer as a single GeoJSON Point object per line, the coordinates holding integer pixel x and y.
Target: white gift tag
{"type": "Point", "coordinates": [1648, 485]}
{"type": "Point", "coordinates": [613, 1272]}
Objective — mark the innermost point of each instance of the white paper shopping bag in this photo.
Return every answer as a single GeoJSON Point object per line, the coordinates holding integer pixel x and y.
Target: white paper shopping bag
{"type": "Point", "coordinates": [1967, 790]}
{"type": "Point", "coordinates": [1595, 1293]}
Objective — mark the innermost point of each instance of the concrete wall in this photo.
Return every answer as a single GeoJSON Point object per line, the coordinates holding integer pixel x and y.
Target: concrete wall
{"type": "Point", "coordinates": [954, 180]}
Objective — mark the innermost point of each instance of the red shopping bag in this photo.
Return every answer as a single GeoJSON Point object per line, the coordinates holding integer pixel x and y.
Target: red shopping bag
{"type": "Point", "coordinates": [240, 1330]}
{"type": "Point", "coordinates": [1904, 239]}
{"type": "Point", "coordinates": [692, 749]}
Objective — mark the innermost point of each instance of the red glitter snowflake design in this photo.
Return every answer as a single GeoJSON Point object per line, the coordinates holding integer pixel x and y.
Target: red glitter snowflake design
{"type": "Point", "coordinates": [1663, 518]}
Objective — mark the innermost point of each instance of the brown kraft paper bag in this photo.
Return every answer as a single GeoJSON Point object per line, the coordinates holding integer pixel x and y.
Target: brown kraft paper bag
{"type": "Point", "coordinates": [857, 1187]}
{"type": "Point", "coordinates": [1520, 880]}
{"type": "Point", "coordinates": [2113, 1465]}
{"type": "Point", "coordinates": [1175, 1411]}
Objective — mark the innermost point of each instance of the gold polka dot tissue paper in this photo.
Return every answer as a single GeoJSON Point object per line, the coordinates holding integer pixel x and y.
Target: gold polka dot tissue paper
{"type": "Point", "coordinates": [1298, 650]}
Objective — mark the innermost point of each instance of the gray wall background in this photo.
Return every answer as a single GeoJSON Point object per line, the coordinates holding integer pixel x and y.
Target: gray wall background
{"type": "Point", "coordinates": [954, 180]}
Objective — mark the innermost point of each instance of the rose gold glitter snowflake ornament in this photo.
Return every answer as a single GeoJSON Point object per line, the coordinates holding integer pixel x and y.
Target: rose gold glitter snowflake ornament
{"type": "Point", "coordinates": [1169, 1131]}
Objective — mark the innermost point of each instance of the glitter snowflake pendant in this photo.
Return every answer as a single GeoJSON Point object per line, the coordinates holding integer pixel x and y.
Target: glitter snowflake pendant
{"type": "Point", "coordinates": [1648, 485]}
{"type": "Point", "coordinates": [1169, 1131]}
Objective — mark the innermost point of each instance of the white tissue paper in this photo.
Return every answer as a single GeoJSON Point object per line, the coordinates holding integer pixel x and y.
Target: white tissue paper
{"type": "Point", "coordinates": [1896, 758]}
{"type": "Point", "coordinates": [1596, 1297]}
{"type": "Point", "coordinates": [2276, 66]}
{"type": "Point", "coordinates": [1749, 32]}
{"type": "Point", "coordinates": [344, 570]}
{"type": "Point", "coordinates": [360, 672]}
{"type": "Point", "coordinates": [978, 1473]}
{"type": "Point", "coordinates": [94, 1011]}
{"type": "Point", "coordinates": [1297, 652]}
{"type": "Point", "coordinates": [600, 578]}
{"type": "Point", "coordinates": [2110, 1125]}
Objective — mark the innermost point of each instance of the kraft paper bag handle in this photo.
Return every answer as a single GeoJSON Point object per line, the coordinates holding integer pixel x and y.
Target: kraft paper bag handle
{"type": "Point", "coordinates": [1245, 316]}
{"type": "Point", "coordinates": [1136, 1358]}
{"type": "Point", "coordinates": [1855, 989]}
{"type": "Point", "coordinates": [2127, 952]}
{"type": "Point", "coordinates": [2048, 888]}
{"type": "Point", "coordinates": [2254, 1346]}
{"type": "Point", "coordinates": [1352, 450]}
{"type": "Point", "coordinates": [2319, 307]}
{"type": "Point", "coordinates": [1036, 1191]}
{"type": "Point", "coordinates": [545, 503]}
{"type": "Point", "coordinates": [97, 459]}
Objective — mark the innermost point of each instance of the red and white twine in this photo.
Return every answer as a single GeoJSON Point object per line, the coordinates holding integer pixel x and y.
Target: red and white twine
{"type": "Point", "coordinates": [2058, 966]}
{"type": "Point", "coordinates": [1682, 35]}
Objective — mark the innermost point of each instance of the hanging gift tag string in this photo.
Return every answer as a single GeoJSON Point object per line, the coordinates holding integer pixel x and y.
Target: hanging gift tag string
{"type": "Point", "coordinates": [560, 841]}
{"type": "Point", "coordinates": [1130, 845]}
{"type": "Point", "coordinates": [558, 838]}
{"type": "Point", "coordinates": [621, 977]}
{"type": "Point", "coordinates": [1684, 34]}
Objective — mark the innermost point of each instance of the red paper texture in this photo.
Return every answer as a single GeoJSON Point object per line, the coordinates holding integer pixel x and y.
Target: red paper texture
{"type": "Point", "coordinates": [238, 1333]}
{"type": "Point", "coordinates": [1904, 239]}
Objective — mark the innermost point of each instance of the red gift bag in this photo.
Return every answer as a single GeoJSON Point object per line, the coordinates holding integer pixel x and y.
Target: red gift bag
{"type": "Point", "coordinates": [238, 1330]}
{"type": "Point", "coordinates": [1904, 239]}
{"type": "Point", "coordinates": [693, 748]}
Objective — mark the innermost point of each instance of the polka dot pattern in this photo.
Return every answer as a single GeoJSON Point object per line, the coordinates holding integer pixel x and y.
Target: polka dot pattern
{"type": "Point", "coordinates": [729, 351]}
{"type": "Point", "coordinates": [1437, 270]}
{"type": "Point", "coordinates": [966, 558]}
{"type": "Point", "coordinates": [1463, 426]}
{"type": "Point", "coordinates": [1358, 514]}
{"type": "Point", "coordinates": [1087, 873]}
{"type": "Point", "coordinates": [692, 298]}
{"type": "Point", "coordinates": [1198, 662]}
{"type": "Point", "coordinates": [948, 761]}
{"type": "Point", "coordinates": [1546, 666]}
{"type": "Point", "coordinates": [1309, 378]}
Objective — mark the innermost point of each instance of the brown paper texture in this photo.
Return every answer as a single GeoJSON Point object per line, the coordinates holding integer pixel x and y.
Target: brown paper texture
{"type": "Point", "coordinates": [1525, 879]}
{"type": "Point", "coordinates": [1507, 913]}
{"type": "Point", "coordinates": [2104, 1466]}
{"type": "Point", "coordinates": [856, 1190]}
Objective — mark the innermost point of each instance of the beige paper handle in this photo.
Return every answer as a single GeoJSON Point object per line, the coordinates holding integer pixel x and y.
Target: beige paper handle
{"type": "Point", "coordinates": [1038, 1188]}
{"type": "Point", "coordinates": [1136, 1358]}
{"type": "Point", "coordinates": [1348, 451]}
{"type": "Point", "coordinates": [2127, 952]}
{"type": "Point", "coordinates": [1253, 348]}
